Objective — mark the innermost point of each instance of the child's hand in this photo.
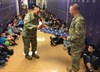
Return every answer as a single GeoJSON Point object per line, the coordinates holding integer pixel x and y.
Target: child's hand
{"type": "Point", "coordinates": [7, 59]}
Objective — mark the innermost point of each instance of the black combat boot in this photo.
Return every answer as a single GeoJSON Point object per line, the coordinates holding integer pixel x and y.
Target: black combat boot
{"type": "Point", "coordinates": [35, 55]}
{"type": "Point", "coordinates": [28, 57]}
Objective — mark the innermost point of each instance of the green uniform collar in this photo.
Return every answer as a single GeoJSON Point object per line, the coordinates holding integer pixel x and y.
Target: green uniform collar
{"type": "Point", "coordinates": [76, 17]}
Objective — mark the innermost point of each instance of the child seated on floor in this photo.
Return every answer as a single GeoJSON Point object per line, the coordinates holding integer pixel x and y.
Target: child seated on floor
{"type": "Point", "coordinates": [2, 61]}
{"type": "Point", "coordinates": [63, 27]}
{"type": "Point", "coordinates": [15, 29]}
{"type": "Point", "coordinates": [20, 21]}
{"type": "Point", "coordinates": [4, 48]}
{"type": "Point", "coordinates": [58, 39]}
{"type": "Point", "coordinates": [11, 33]}
{"type": "Point", "coordinates": [3, 56]}
{"type": "Point", "coordinates": [4, 40]}
{"type": "Point", "coordinates": [90, 59]}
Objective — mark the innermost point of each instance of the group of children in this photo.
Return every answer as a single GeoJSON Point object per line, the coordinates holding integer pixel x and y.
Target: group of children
{"type": "Point", "coordinates": [8, 37]}
{"type": "Point", "coordinates": [56, 24]}
{"type": "Point", "coordinates": [5, 54]}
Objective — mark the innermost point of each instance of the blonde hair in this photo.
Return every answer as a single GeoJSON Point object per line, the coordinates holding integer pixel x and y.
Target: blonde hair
{"type": "Point", "coordinates": [76, 7]}
{"type": "Point", "coordinates": [36, 8]}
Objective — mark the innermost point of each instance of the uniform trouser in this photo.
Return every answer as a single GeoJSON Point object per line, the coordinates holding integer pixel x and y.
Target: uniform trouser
{"type": "Point", "coordinates": [27, 41]}
{"type": "Point", "coordinates": [76, 52]}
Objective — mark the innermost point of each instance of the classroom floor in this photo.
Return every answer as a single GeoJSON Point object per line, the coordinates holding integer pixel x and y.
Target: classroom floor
{"type": "Point", "coordinates": [52, 58]}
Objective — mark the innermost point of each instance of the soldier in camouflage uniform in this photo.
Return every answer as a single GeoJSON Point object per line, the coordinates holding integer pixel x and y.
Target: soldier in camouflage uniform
{"type": "Point", "coordinates": [29, 34]}
{"type": "Point", "coordinates": [24, 8]}
{"type": "Point", "coordinates": [77, 37]}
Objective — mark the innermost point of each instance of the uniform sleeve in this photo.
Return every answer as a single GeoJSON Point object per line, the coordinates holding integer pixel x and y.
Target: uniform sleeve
{"type": "Point", "coordinates": [27, 19]}
{"type": "Point", "coordinates": [39, 16]}
{"type": "Point", "coordinates": [79, 30]}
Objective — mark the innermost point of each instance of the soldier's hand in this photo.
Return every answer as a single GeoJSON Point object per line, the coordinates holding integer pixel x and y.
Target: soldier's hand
{"type": "Point", "coordinates": [68, 38]}
{"type": "Point", "coordinates": [35, 26]}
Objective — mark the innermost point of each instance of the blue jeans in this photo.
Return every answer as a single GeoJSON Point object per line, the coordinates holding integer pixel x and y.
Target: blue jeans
{"type": "Point", "coordinates": [2, 62]}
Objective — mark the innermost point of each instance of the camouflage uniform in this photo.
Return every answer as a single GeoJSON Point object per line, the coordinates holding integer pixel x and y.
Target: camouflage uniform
{"type": "Point", "coordinates": [24, 8]}
{"type": "Point", "coordinates": [29, 34]}
{"type": "Point", "coordinates": [77, 40]}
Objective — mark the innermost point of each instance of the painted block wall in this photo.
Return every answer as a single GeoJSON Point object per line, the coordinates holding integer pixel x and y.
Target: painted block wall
{"type": "Point", "coordinates": [7, 12]}
{"type": "Point", "coordinates": [57, 8]}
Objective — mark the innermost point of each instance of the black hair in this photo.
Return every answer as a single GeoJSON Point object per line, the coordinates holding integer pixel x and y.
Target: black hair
{"type": "Point", "coordinates": [93, 46]}
{"type": "Point", "coordinates": [5, 30]}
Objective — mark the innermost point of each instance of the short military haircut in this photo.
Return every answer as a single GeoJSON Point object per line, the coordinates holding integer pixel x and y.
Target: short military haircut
{"type": "Point", "coordinates": [76, 7]}
{"type": "Point", "coordinates": [36, 7]}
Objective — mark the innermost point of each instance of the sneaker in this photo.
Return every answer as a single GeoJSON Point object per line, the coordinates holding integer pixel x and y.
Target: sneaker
{"type": "Point", "coordinates": [91, 71]}
{"type": "Point", "coordinates": [15, 44]}
{"type": "Point", "coordinates": [54, 44]}
{"type": "Point", "coordinates": [28, 57]}
{"type": "Point", "coordinates": [35, 55]}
